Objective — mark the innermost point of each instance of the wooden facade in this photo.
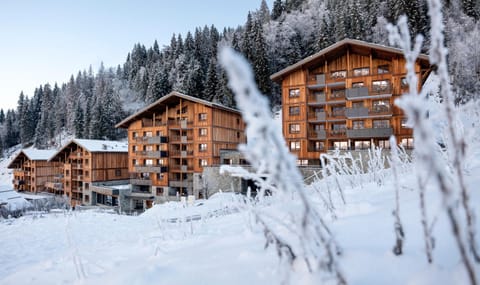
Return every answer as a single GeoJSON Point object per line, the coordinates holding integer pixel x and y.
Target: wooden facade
{"type": "Point", "coordinates": [175, 137]}
{"type": "Point", "coordinates": [89, 161]}
{"type": "Point", "coordinates": [343, 97]}
{"type": "Point", "coordinates": [33, 172]}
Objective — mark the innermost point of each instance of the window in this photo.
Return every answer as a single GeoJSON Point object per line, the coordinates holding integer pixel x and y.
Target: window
{"type": "Point", "coordinates": [67, 172]}
{"type": "Point", "coordinates": [86, 186]}
{"type": "Point", "coordinates": [202, 147]}
{"type": "Point", "coordinates": [160, 176]}
{"type": "Point", "coordinates": [202, 162]}
{"type": "Point", "coordinates": [159, 191]}
{"type": "Point", "coordinates": [381, 106]}
{"type": "Point", "coordinates": [342, 145]}
{"type": "Point", "coordinates": [148, 134]}
{"type": "Point", "coordinates": [159, 133]}
{"type": "Point", "coordinates": [383, 69]}
{"type": "Point", "coordinates": [134, 135]}
{"type": "Point", "coordinates": [384, 144]}
{"type": "Point", "coordinates": [202, 132]}
{"type": "Point", "coordinates": [160, 161]}
{"type": "Point", "coordinates": [358, 104]}
{"type": "Point", "coordinates": [318, 146]}
{"type": "Point", "coordinates": [295, 146]}
{"type": "Point", "coordinates": [404, 83]}
{"type": "Point", "coordinates": [302, 161]}
{"type": "Point", "coordinates": [294, 111]}
{"type": "Point", "coordinates": [238, 121]}
{"type": "Point", "coordinates": [319, 127]}
{"type": "Point", "coordinates": [293, 93]}
{"type": "Point", "coordinates": [337, 93]}
{"type": "Point", "coordinates": [238, 135]}
{"type": "Point", "coordinates": [149, 148]}
{"type": "Point", "coordinates": [362, 71]}
{"type": "Point", "coordinates": [134, 148]}
{"type": "Point", "coordinates": [362, 145]}
{"type": "Point", "coordinates": [134, 162]}
{"type": "Point", "coordinates": [294, 128]}
{"type": "Point", "coordinates": [407, 143]}
{"type": "Point", "coordinates": [404, 123]}
{"type": "Point", "coordinates": [357, 84]}
{"type": "Point", "coordinates": [87, 174]}
{"type": "Point", "coordinates": [357, 125]}
{"type": "Point", "coordinates": [380, 85]}
{"type": "Point", "coordinates": [184, 110]}
{"type": "Point", "coordinates": [118, 172]}
{"type": "Point", "coordinates": [148, 161]}
{"type": "Point", "coordinates": [202, 116]}
{"type": "Point", "coordinates": [338, 74]}
{"type": "Point", "coordinates": [381, 124]}
{"type": "Point", "coordinates": [87, 199]}
{"type": "Point", "coordinates": [86, 161]}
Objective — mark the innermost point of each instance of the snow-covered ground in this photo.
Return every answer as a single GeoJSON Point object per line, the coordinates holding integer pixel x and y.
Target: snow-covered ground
{"type": "Point", "coordinates": [215, 242]}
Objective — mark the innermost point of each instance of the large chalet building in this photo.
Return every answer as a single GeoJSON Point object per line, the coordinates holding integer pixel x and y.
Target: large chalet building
{"type": "Point", "coordinates": [172, 139]}
{"type": "Point", "coordinates": [343, 97]}
{"type": "Point", "coordinates": [87, 162]}
{"type": "Point", "coordinates": [32, 170]}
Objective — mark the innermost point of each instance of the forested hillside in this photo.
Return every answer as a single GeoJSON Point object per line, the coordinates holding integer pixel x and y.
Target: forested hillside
{"type": "Point", "coordinates": [90, 103]}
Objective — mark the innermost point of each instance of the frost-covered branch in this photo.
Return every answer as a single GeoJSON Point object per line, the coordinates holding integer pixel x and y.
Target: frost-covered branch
{"type": "Point", "coordinates": [399, 233]}
{"type": "Point", "coordinates": [312, 241]}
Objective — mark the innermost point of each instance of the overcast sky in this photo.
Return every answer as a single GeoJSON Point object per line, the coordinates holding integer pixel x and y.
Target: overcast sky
{"type": "Point", "coordinates": [48, 40]}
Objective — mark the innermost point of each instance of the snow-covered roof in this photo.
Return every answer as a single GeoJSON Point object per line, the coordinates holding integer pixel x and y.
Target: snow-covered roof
{"type": "Point", "coordinates": [13, 200]}
{"type": "Point", "coordinates": [31, 154]}
{"type": "Point", "coordinates": [95, 146]}
{"type": "Point", "coordinates": [102, 146]}
{"type": "Point", "coordinates": [168, 99]}
{"type": "Point", "coordinates": [331, 50]}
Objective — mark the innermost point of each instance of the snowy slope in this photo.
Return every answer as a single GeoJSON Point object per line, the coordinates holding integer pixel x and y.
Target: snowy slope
{"type": "Point", "coordinates": [219, 245]}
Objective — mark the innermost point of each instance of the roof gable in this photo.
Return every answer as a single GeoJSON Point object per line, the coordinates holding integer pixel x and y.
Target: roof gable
{"type": "Point", "coordinates": [335, 50]}
{"type": "Point", "coordinates": [161, 104]}
{"type": "Point", "coordinates": [31, 154]}
{"type": "Point", "coordinates": [95, 146]}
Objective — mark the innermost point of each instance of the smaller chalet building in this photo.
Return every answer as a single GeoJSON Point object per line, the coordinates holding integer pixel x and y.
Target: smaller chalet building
{"type": "Point", "coordinates": [87, 162]}
{"type": "Point", "coordinates": [33, 170]}
{"type": "Point", "coordinates": [173, 139]}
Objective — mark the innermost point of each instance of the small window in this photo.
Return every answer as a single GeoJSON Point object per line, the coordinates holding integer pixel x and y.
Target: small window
{"type": "Point", "coordinates": [381, 86]}
{"type": "Point", "coordinates": [302, 161]}
{"type": "Point", "coordinates": [147, 134]}
{"type": "Point", "coordinates": [161, 161]}
{"type": "Point", "coordinates": [134, 148]}
{"type": "Point", "coordinates": [383, 69]}
{"type": "Point", "coordinates": [202, 116]}
{"type": "Point", "coordinates": [407, 143]}
{"type": "Point", "coordinates": [238, 121]}
{"type": "Point", "coordinates": [381, 124]}
{"type": "Point", "coordinates": [338, 74]}
{"type": "Point", "coordinates": [159, 191]}
{"type": "Point", "coordinates": [358, 125]}
{"type": "Point", "coordinates": [67, 172]}
{"type": "Point", "coordinates": [238, 135]}
{"type": "Point", "coordinates": [294, 128]}
{"type": "Point", "coordinates": [184, 110]}
{"type": "Point", "coordinates": [86, 186]}
{"type": "Point", "coordinates": [362, 71]}
{"type": "Point", "coordinates": [385, 144]}
{"type": "Point", "coordinates": [87, 174]}
{"type": "Point", "coordinates": [358, 104]}
{"type": "Point", "coordinates": [404, 83]}
{"type": "Point", "coordinates": [202, 147]}
{"type": "Point", "coordinates": [134, 135]}
{"type": "Point", "coordinates": [87, 199]}
{"type": "Point", "coordinates": [160, 176]}
{"type": "Point", "coordinates": [294, 111]}
{"type": "Point", "coordinates": [148, 161]}
{"type": "Point", "coordinates": [337, 93]}
{"type": "Point", "coordinates": [118, 172]}
{"type": "Point", "coordinates": [341, 145]}
{"type": "Point", "coordinates": [404, 123]}
{"type": "Point", "coordinates": [359, 145]}
{"type": "Point", "coordinates": [293, 93]}
{"type": "Point", "coordinates": [202, 132]}
{"type": "Point", "coordinates": [134, 162]}
{"type": "Point", "coordinates": [202, 162]}
{"type": "Point", "coordinates": [357, 84]}
{"type": "Point", "coordinates": [295, 146]}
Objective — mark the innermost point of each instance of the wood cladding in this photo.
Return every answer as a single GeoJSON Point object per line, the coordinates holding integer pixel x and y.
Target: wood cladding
{"type": "Point", "coordinates": [345, 97]}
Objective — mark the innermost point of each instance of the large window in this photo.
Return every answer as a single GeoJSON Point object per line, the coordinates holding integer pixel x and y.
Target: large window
{"type": "Point", "coordinates": [381, 124]}
{"type": "Point", "coordinates": [294, 145]}
{"type": "Point", "coordinates": [407, 143]}
{"type": "Point", "coordinates": [362, 145]}
{"type": "Point", "coordinates": [292, 93]}
{"type": "Point", "coordinates": [294, 110]}
{"type": "Point", "coordinates": [383, 69]}
{"type": "Point", "coordinates": [381, 106]}
{"type": "Point", "coordinates": [342, 145]}
{"type": "Point", "coordinates": [362, 71]}
{"type": "Point", "coordinates": [294, 128]}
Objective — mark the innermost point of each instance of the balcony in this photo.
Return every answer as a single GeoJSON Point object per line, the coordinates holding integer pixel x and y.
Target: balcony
{"type": "Point", "coordinates": [317, 116]}
{"type": "Point", "coordinates": [339, 133]}
{"type": "Point", "coordinates": [150, 169]}
{"type": "Point", "coordinates": [337, 114]}
{"type": "Point", "coordinates": [370, 133]}
{"type": "Point", "coordinates": [141, 181]}
{"type": "Point", "coordinates": [54, 185]}
{"type": "Point", "coordinates": [151, 140]}
{"type": "Point", "coordinates": [316, 81]}
{"type": "Point", "coordinates": [337, 95]}
{"type": "Point", "coordinates": [181, 139]}
{"type": "Point", "coordinates": [317, 135]}
{"type": "Point", "coordinates": [317, 99]}
{"type": "Point", "coordinates": [181, 168]}
{"type": "Point", "coordinates": [365, 93]}
{"type": "Point", "coordinates": [181, 184]}
{"type": "Point", "coordinates": [363, 112]}
{"type": "Point", "coordinates": [154, 154]}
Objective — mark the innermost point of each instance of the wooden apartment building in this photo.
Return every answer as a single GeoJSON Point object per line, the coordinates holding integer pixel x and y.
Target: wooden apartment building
{"type": "Point", "coordinates": [343, 97]}
{"type": "Point", "coordinates": [85, 162]}
{"type": "Point", "coordinates": [32, 170]}
{"type": "Point", "coordinates": [174, 138]}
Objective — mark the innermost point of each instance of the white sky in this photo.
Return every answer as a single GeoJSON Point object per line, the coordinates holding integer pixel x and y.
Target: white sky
{"type": "Point", "coordinates": [47, 41]}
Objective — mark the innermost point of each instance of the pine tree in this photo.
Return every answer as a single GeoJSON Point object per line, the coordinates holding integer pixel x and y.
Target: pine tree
{"type": "Point", "coordinates": [2, 116]}
{"type": "Point", "coordinates": [263, 14]}
{"type": "Point", "coordinates": [278, 9]}
{"type": "Point", "coordinates": [79, 122]}
{"type": "Point", "coordinates": [211, 85]}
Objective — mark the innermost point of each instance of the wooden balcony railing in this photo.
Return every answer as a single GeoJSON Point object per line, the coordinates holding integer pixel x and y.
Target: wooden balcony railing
{"type": "Point", "coordinates": [370, 133]}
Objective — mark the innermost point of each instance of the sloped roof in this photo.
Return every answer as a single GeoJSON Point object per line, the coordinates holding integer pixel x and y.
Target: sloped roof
{"type": "Point", "coordinates": [423, 58]}
{"type": "Point", "coordinates": [31, 154]}
{"type": "Point", "coordinates": [13, 200]}
{"type": "Point", "coordinates": [169, 99]}
{"type": "Point", "coordinates": [95, 146]}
